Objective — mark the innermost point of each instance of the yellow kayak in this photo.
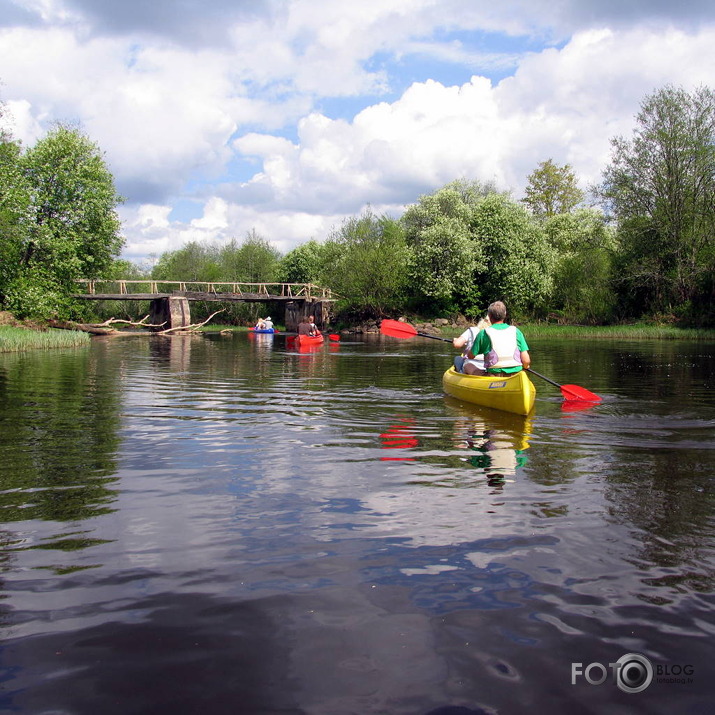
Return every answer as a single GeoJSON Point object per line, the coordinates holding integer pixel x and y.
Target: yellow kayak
{"type": "Point", "coordinates": [511, 394]}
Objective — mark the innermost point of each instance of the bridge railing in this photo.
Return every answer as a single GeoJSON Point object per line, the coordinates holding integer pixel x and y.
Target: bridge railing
{"type": "Point", "coordinates": [237, 288]}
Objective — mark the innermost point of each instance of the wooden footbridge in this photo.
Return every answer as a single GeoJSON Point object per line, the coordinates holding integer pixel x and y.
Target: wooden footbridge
{"type": "Point", "coordinates": [169, 300]}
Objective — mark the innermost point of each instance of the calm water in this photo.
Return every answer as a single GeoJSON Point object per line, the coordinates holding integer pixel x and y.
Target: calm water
{"type": "Point", "coordinates": [218, 524]}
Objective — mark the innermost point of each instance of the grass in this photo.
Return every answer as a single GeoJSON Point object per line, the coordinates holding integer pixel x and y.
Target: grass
{"type": "Point", "coordinates": [13, 339]}
{"type": "Point", "coordinates": [638, 331]}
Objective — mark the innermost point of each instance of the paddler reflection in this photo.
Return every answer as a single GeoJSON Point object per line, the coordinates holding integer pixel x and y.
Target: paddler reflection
{"type": "Point", "coordinates": [497, 442]}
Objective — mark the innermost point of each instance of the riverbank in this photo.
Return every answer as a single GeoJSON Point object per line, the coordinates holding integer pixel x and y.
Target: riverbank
{"type": "Point", "coordinates": [18, 337]}
{"type": "Point", "coordinates": [442, 327]}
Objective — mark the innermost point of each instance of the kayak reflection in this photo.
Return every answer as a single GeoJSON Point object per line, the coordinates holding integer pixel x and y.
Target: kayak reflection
{"type": "Point", "coordinates": [496, 441]}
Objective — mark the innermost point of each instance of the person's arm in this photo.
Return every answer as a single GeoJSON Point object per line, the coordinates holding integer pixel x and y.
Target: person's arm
{"type": "Point", "coordinates": [463, 340]}
{"type": "Point", "coordinates": [523, 349]}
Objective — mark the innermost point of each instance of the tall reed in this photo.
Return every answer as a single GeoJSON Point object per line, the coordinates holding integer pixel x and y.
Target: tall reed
{"type": "Point", "coordinates": [13, 339]}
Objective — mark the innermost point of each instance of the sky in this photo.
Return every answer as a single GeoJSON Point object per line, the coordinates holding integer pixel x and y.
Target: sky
{"type": "Point", "coordinates": [220, 118]}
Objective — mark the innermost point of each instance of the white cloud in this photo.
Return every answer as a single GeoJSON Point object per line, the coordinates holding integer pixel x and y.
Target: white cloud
{"type": "Point", "coordinates": [232, 124]}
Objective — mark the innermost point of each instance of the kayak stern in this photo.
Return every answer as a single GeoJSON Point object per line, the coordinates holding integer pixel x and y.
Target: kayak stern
{"type": "Point", "coordinates": [515, 393]}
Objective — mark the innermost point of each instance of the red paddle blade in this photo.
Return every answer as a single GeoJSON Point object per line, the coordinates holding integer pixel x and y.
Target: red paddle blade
{"type": "Point", "coordinates": [575, 392]}
{"type": "Point", "coordinates": [334, 337]}
{"type": "Point", "coordinates": [396, 329]}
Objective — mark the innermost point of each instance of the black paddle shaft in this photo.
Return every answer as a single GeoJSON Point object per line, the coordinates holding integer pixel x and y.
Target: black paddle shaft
{"type": "Point", "coordinates": [434, 337]}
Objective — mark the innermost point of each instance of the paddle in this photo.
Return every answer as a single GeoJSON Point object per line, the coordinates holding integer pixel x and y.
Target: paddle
{"type": "Point", "coordinates": [397, 329]}
{"type": "Point", "coordinates": [570, 392]}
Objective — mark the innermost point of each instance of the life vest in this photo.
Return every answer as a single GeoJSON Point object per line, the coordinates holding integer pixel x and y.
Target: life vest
{"type": "Point", "coordinates": [505, 352]}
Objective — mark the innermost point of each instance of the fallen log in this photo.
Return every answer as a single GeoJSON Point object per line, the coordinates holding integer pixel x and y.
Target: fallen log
{"type": "Point", "coordinates": [189, 328]}
{"type": "Point", "coordinates": [84, 327]}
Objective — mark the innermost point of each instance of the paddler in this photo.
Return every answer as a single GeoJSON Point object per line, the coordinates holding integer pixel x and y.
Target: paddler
{"type": "Point", "coordinates": [503, 346]}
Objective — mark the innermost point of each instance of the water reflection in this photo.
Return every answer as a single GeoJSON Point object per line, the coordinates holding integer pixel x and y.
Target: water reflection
{"type": "Point", "coordinates": [59, 437]}
{"type": "Point", "coordinates": [59, 422]}
{"type": "Point", "coordinates": [399, 436]}
{"type": "Point", "coordinates": [231, 525]}
{"type": "Point", "coordinates": [500, 441]}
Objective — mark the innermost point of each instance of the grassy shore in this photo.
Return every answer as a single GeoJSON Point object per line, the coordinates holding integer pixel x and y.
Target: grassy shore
{"type": "Point", "coordinates": [13, 339]}
{"type": "Point", "coordinates": [638, 331]}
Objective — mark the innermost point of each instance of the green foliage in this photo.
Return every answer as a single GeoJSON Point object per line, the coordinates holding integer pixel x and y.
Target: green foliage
{"type": "Point", "coordinates": [519, 261]}
{"type": "Point", "coordinates": [59, 222]}
{"type": "Point", "coordinates": [661, 187]}
{"type": "Point", "coordinates": [443, 258]}
{"type": "Point", "coordinates": [254, 261]}
{"type": "Point", "coordinates": [552, 190]}
{"type": "Point", "coordinates": [302, 264]}
{"type": "Point", "coordinates": [585, 247]}
{"type": "Point", "coordinates": [36, 293]}
{"type": "Point", "coordinates": [74, 206]}
{"type": "Point", "coordinates": [194, 261]}
{"type": "Point", "coordinates": [365, 263]}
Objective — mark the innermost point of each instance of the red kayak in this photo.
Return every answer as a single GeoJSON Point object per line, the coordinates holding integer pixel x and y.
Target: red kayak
{"type": "Point", "coordinates": [305, 341]}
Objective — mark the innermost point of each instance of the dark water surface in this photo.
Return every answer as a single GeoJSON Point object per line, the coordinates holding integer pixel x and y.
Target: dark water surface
{"type": "Point", "coordinates": [217, 524]}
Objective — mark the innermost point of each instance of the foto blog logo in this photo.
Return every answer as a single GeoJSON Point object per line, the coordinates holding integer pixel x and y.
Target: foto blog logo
{"type": "Point", "coordinates": [632, 673]}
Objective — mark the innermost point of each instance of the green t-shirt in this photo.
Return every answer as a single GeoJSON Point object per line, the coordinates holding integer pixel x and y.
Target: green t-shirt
{"type": "Point", "coordinates": [483, 345]}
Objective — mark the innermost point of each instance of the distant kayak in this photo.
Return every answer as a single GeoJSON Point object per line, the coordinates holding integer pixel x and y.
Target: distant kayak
{"type": "Point", "coordinates": [307, 340]}
{"type": "Point", "coordinates": [515, 393]}
{"type": "Point", "coordinates": [262, 330]}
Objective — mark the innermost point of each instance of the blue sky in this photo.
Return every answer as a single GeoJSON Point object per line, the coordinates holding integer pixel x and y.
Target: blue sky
{"type": "Point", "coordinates": [221, 117]}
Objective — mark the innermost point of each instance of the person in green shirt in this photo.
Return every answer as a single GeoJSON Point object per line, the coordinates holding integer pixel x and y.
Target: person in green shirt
{"type": "Point", "coordinates": [503, 346]}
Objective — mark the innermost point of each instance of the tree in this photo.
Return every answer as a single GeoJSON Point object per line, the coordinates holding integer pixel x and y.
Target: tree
{"type": "Point", "coordinates": [586, 247]}
{"type": "Point", "coordinates": [518, 260]}
{"type": "Point", "coordinates": [660, 186]}
{"type": "Point", "coordinates": [254, 261]}
{"type": "Point", "coordinates": [472, 245]}
{"type": "Point", "coordinates": [552, 190]}
{"type": "Point", "coordinates": [15, 197]}
{"type": "Point", "coordinates": [365, 263]}
{"type": "Point", "coordinates": [68, 226]}
{"type": "Point", "coordinates": [443, 256]}
{"type": "Point", "coordinates": [194, 261]}
{"type": "Point", "coordinates": [302, 264]}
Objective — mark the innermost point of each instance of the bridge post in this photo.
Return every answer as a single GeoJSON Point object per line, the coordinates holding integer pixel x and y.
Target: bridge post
{"type": "Point", "coordinates": [298, 311]}
{"type": "Point", "coordinates": [172, 311]}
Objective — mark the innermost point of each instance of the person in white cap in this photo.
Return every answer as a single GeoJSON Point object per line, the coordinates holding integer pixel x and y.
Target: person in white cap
{"type": "Point", "coordinates": [268, 323]}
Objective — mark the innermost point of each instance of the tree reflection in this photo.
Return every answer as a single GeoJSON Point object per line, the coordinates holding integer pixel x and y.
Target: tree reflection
{"type": "Point", "coordinates": [59, 417]}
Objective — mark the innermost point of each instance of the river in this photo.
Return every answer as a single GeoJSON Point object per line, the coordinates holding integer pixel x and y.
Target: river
{"type": "Point", "coordinates": [220, 524]}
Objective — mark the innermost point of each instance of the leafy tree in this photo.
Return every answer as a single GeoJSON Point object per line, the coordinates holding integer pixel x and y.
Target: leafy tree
{"type": "Point", "coordinates": [302, 264]}
{"type": "Point", "coordinates": [59, 197]}
{"type": "Point", "coordinates": [660, 186]}
{"type": "Point", "coordinates": [585, 248]}
{"type": "Point", "coordinates": [195, 261]}
{"type": "Point", "coordinates": [254, 261]}
{"type": "Point", "coordinates": [518, 260]}
{"type": "Point", "coordinates": [472, 245]}
{"type": "Point", "coordinates": [122, 268]}
{"type": "Point", "coordinates": [552, 190]}
{"type": "Point", "coordinates": [365, 262]}
{"type": "Point", "coordinates": [444, 258]}
{"type": "Point", "coordinates": [15, 200]}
